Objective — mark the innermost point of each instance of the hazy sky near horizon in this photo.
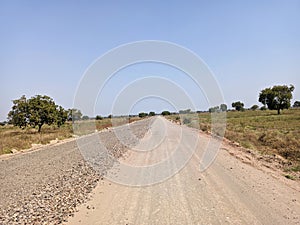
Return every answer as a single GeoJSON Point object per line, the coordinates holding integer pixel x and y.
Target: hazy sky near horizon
{"type": "Point", "coordinates": [46, 46]}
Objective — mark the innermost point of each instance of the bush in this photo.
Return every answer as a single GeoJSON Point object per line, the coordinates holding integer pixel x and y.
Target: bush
{"type": "Point", "coordinates": [254, 107]}
{"type": "Point", "coordinates": [85, 118]}
{"type": "Point", "coordinates": [223, 107]}
{"type": "Point", "coordinates": [151, 113]}
{"type": "Point", "coordinates": [239, 106]}
{"type": "Point", "coordinates": [165, 113]}
{"type": "Point", "coordinates": [214, 109]}
{"type": "Point", "coordinates": [186, 120]}
{"type": "Point", "coordinates": [296, 104]}
{"type": "Point", "coordinates": [99, 117]}
{"type": "Point", "coordinates": [143, 114]}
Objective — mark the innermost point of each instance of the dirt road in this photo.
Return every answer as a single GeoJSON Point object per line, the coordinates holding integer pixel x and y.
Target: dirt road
{"type": "Point", "coordinates": [44, 186]}
{"type": "Point", "coordinates": [228, 192]}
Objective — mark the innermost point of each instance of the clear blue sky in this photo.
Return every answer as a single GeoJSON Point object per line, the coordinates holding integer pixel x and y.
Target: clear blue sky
{"type": "Point", "coordinates": [45, 46]}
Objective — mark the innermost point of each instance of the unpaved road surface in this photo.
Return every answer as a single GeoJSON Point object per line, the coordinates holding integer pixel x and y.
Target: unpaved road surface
{"type": "Point", "coordinates": [45, 186]}
{"type": "Point", "coordinates": [228, 192]}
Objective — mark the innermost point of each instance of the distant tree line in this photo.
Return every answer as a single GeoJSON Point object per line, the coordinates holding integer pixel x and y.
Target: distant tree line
{"type": "Point", "coordinates": [221, 108]}
{"type": "Point", "coordinates": [41, 109]}
{"type": "Point", "coordinates": [185, 111]}
{"type": "Point", "coordinates": [143, 114]}
{"type": "Point", "coordinates": [277, 98]}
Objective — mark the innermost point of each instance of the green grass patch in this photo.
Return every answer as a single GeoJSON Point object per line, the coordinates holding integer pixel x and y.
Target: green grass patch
{"type": "Point", "coordinates": [288, 176]}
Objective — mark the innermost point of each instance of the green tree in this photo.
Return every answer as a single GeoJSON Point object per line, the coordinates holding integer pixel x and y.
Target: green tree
{"type": "Point", "coordinates": [18, 116]}
{"type": "Point", "coordinates": [277, 98]}
{"type": "Point", "coordinates": [185, 111]}
{"type": "Point", "coordinates": [42, 110]}
{"type": "Point", "coordinates": [143, 114]}
{"type": "Point", "coordinates": [214, 109]}
{"type": "Point", "coordinates": [99, 117]}
{"type": "Point", "coordinates": [36, 112]}
{"type": "Point", "coordinates": [85, 118]}
{"type": "Point", "coordinates": [263, 108]}
{"type": "Point", "coordinates": [165, 113]}
{"type": "Point", "coordinates": [223, 107]}
{"type": "Point", "coordinates": [151, 113]}
{"type": "Point", "coordinates": [74, 114]}
{"type": "Point", "coordinates": [254, 107]}
{"type": "Point", "coordinates": [239, 106]}
{"type": "Point", "coordinates": [61, 116]}
{"type": "Point", "coordinates": [296, 104]}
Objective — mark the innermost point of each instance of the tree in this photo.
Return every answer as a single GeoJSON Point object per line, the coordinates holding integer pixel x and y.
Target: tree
{"type": "Point", "coordinates": [223, 107]}
{"type": "Point", "coordinates": [165, 113]}
{"type": "Point", "coordinates": [277, 98]}
{"type": "Point", "coordinates": [214, 109]}
{"type": "Point", "coordinates": [185, 111]}
{"type": "Point", "coordinates": [62, 116]}
{"type": "Point", "coordinates": [18, 116]}
{"type": "Point", "coordinates": [151, 113]}
{"type": "Point", "coordinates": [263, 108]}
{"type": "Point", "coordinates": [36, 112]}
{"type": "Point", "coordinates": [254, 107]}
{"type": "Point", "coordinates": [143, 114]}
{"type": "Point", "coordinates": [42, 110]}
{"type": "Point", "coordinates": [74, 114]}
{"type": "Point", "coordinates": [296, 104]}
{"type": "Point", "coordinates": [239, 106]}
{"type": "Point", "coordinates": [85, 118]}
{"type": "Point", "coordinates": [99, 117]}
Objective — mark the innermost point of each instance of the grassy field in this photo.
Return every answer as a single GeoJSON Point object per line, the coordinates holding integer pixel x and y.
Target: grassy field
{"type": "Point", "coordinates": [16, 138]}
{"type": "Point", "coordinates": [264, 131]}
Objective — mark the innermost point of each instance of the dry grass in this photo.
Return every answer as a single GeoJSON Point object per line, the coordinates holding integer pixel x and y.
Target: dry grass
{"type": "Point", "coordinates": [18, 139]}
{"type": "Point", "coordinates": [89, 126]}
{"type": "Point", "coordinates": [264, 131]}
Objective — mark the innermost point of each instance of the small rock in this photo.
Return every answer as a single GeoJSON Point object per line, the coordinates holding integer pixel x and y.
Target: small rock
{"type": "Point", "coordinates": [14, 151]}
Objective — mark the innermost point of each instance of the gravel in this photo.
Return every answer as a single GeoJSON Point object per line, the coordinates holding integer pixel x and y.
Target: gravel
{"type": "Point", "coordinates": [46, 186]}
